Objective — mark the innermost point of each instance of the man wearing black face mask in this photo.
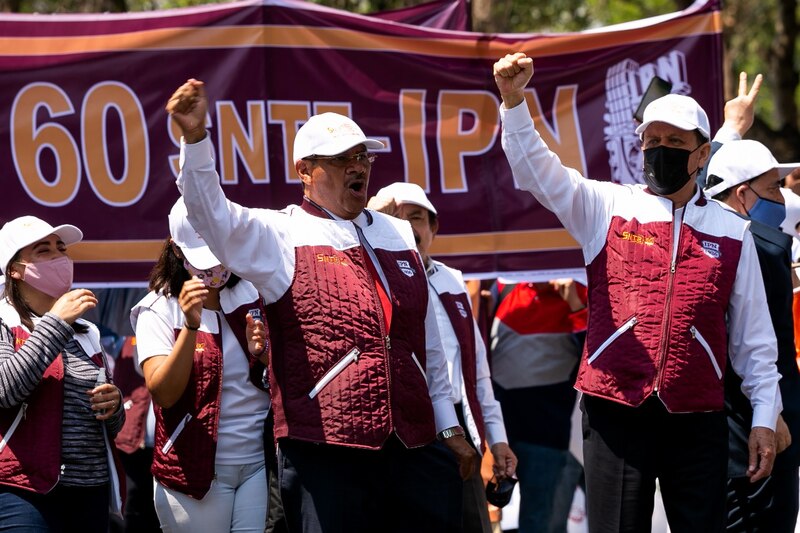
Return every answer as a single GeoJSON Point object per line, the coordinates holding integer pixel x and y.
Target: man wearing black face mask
{"type": "Point", "coordinates": [673, 278]}
{"type": "Point", "coordinates": [745, 177]}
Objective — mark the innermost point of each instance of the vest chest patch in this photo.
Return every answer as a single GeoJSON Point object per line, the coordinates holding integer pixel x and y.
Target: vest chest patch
{"type": "Point", "coordinates": [638, 239]}
{"type": "Point", "coordinates": [461, 310]}
{"type": "Point", "coordinates": [331, 259]}
{"type": "Point", "coordinates": [711, 249]}
{"type": "Point", "coordinates": [405, 267]}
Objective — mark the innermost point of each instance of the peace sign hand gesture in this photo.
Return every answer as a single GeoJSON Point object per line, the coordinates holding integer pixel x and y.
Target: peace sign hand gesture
{"type": "Point", "coordinates": [740, 111]}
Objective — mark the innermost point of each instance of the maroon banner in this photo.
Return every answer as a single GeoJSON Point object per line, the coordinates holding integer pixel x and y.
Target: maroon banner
{"type": "Point", "coordinates": [85, 139]}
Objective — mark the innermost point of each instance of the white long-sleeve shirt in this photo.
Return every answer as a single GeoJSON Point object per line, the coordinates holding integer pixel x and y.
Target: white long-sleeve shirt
{"type": "Point", "coordinates": [490, 407]}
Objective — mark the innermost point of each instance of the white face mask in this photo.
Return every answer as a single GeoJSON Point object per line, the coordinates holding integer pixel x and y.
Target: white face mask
{"type": "Point", "coordinates": [214, 277]}
{"type": "Point", "coordinates": [53, 277]}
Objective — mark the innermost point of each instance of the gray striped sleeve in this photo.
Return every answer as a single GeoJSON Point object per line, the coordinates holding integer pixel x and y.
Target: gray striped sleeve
{"type": "Point", "coordinates": [22, 370]}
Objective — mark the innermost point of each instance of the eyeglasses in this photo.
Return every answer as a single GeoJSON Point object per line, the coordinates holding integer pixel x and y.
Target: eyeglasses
{"type": "Point", "coordinates": [344, 161]}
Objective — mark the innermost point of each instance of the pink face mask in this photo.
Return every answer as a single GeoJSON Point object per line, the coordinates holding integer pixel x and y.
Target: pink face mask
{"type": "Point", "coordinates": [214, 277]}
{"type": "Point", "coordinates": [53, 277]}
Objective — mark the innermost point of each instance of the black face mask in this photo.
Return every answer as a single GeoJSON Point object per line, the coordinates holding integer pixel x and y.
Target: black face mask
{"type": "Point", "coordinates": [665, 169]}
{"type": "Point", "coordinates": [498, 492]}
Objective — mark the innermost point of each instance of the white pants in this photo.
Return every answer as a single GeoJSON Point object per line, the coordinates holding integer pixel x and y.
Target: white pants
{"type": "Point", "coordinates": [236, 502]}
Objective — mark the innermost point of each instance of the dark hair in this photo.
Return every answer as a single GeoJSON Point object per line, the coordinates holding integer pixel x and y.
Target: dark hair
{"type": "Point", "coordinates": [432, 218]}
{"type": "Point", "coordinates": [169, 274]}
{"type": "Point", "coordinates": [25, 312]}
{"type": "Point", "coordinates": [722, 196]}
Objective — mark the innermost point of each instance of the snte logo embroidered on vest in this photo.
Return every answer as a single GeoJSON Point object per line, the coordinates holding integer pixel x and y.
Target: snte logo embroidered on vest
{"type": "Point", "coordinates": [461, 310]}
{"type": "Point", "coordinates": [332, 259]}
{"type": "Point", "coordinates": [638, 239]}
{"type": "Point", "coordinates": [405, 267]}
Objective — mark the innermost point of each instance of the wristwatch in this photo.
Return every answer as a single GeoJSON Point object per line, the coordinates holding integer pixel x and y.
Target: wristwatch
{"type": "Point", "coordinates": [451, 432]}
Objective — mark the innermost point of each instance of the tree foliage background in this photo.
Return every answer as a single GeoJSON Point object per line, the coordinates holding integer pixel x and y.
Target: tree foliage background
{"type": "Point", "coordinates": [760, 37]}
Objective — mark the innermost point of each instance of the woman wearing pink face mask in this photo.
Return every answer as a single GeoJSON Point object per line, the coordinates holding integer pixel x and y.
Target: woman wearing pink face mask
{"type": "Point", "coordinates": [203, 356]}
{"type": "Point", "coordinates": [58, 413]}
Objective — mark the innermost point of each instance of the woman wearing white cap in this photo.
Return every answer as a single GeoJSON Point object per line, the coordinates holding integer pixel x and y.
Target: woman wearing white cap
{"type": "Point", "coordinates": [58, 413]}
{"type": "Point", "coordinates": [202, 348]}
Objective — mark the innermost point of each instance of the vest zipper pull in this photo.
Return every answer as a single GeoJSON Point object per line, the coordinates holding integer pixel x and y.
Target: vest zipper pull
{"type": "Point", "coordinates": [388, 342]}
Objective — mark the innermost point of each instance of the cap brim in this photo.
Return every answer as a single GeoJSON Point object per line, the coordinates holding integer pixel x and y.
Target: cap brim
{"type": "Point", "coordinates": [680, 124]}
{"type": "Point", "coordinates": [68, 233]}
{"type": "Point", "coordinates": [344, 144]}
{"type": "Point", "coordinates": [784, 169]}
{"type": "Point", "coordinates": [201, 258]}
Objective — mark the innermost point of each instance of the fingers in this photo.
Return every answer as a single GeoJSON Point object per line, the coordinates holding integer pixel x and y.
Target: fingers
{"type": "Point", "coordinates": [742, 83]}
{"type": "Point", "coordinates": [756, 86]}
{"type": "Point", "coordinates": [194, 292]}
{"type": "Point", "coordinates": [512, 64]}
{"type": "Point", "coordinates": [186, 96]}
{"type": "Point", "coordinates": [104, 400]}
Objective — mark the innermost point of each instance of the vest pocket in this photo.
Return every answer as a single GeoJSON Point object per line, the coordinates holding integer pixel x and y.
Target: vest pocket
{"type": "Point", "coordinates": [699, 338]}
{"type": "Point", "coordinates": [13, 427]}
{"type": "Point", "coordinates": [416, 362]}
{"type": "Point", "coordinates": [175, 434]}
{"type": "Point", "coordinates": [622, 329]}
{"type": "Point", "coordinates": [335, 370]}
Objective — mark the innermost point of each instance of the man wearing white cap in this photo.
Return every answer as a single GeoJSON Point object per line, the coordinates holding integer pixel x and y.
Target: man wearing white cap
{"type": "Point", "coordinates": [673, 278]}
{"type": "Point", "coordinates": [360, 389]}
{"type": "Point", "coordinates": [744, 175]}
{"type": "Point", "coordinates": [467, 365]}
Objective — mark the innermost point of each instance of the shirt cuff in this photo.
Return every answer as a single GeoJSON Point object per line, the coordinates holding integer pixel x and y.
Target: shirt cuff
{"type": "Point", "coordinates": [765, 416]}
{"type": "Point", "coordinates": [197, 156]}
{"type": "Point", "coordinates": [495, 433]}
{"type": "Point", "coordinates": [444, 414]}
{"type": "Point", "coordinates": [725, 134]}
{"type": "Point", "coordinates": [516, 118]}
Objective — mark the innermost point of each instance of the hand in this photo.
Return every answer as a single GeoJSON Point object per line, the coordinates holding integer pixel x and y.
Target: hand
{"type": "Point", "coordinates": [568, 290]}
{"type": "Point", "coordinates": [466, 456]}
{"type": "Point", "coordinates": [384, 204]}
{"type": "Point", "coordinates": [505, 462]}
{"type": "Point", "coordinates": [193, 294]}
{"type": "Point", "coordinates": [73, 304]}
{"type": "Point", "coordinates": [512, 74]}
{"type": "Point", "coordinates": [105, 398]}
{"type": "Point", "coordinates": [762, 453]}
{"type": "Point", "coordinates": [783, 439]}
{"type": "Point", "coordinates": [740, 111]}
{"type": "Point", "coordinates": [188, 107]}
{"type": "Point", "coordinates": [257, 338]}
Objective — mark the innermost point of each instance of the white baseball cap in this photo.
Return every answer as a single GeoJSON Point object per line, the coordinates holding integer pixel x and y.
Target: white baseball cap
{"type": "Point", "coordinates": [737, 162]}
{"type": "Point", "coordinates": [330, 134]}
{"type": "Point", "coordinates": [26, 230]}
{"type": "Point", "coordinates": [190, 242]}
{"type": "Point", "coordinates": [678, 110]}
{"type": "Point", "coordinates": [407, 193]}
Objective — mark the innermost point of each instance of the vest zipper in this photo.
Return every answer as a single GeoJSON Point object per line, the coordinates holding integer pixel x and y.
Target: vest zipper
{"type": "Point", "coordinates": [335, 370]}
{"type": "Point", "coordinates": [674, 250]}
{"type": "Point", "coordinates": [13, 427]}
{"type": "Point", "coordinates": [175, 434]}
{"type": "Point", "coordinates": [416, 362]}
{"type": "Point", "coordinates": [622, 329]}
{"type": "Point", "coordinates": [387, 341]}
{"type": "Point", "coordinates": [697, 336]}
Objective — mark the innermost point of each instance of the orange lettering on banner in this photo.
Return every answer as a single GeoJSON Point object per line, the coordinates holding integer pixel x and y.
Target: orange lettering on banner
{"type": "Point", "coordinates": [412, 137]}
{"type": "Point", "coordinates": [341, 108]}
{"type": "Point", "coordinates": [458, 138]}
{"type": "Point", "coordinates": [29, 138]}
{"type": "Point", "coordinates": [290, 116]}
{"type": "Point", "coordinates": [99, 102]}
{"type": "Point", "coordinates": [250, 143]}
{"type": "Point", "coordinates": [564, 136]}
